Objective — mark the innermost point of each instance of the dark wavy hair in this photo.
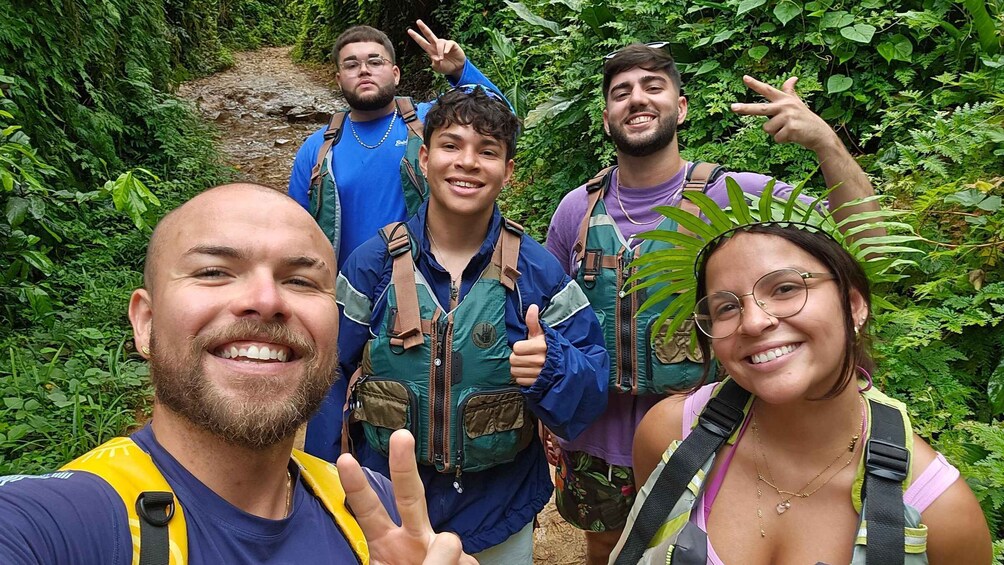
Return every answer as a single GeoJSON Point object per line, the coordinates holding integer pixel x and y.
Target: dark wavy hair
{"type": "Point", "coordinates": [363, 34]}
{"type": "Point", "coordinates": [488, 116]}
{"type": "Point", "coordinates": [640, 55]}
{"type": "Point", "coordinates": [837, 260]}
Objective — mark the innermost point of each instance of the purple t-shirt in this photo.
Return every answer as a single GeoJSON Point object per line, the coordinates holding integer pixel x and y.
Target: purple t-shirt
{"type": "Point", "coordinates": [76, 517]}
{"type": "Point", "coordinates": [611, 436]}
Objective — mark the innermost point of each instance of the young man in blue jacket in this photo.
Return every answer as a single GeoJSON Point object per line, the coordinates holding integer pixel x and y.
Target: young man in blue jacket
{"type": "Point", "coordinates": [467, 332]}
{"type": "Point", "coordinates": [366, 174]}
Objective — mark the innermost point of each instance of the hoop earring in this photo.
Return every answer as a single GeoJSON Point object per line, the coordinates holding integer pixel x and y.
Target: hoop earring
{"type": "Point", "coordinates": [867, 376]}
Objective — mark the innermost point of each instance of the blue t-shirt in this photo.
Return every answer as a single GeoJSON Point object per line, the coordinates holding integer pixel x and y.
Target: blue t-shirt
{"type": "Point", "coordinates": [73, 517]}
{"type": "Point", "coordinates": [368, 180]}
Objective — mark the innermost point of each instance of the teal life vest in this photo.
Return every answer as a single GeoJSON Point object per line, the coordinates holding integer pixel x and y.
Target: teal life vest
{"type": "Point", "coordinates": [323, 192]}
{"type": "Point", "coordinates": [444, 374]}
{"type": "Point", "coordinates": [659, 529]}
{"type": "Point", "coordinates": [641, 362]}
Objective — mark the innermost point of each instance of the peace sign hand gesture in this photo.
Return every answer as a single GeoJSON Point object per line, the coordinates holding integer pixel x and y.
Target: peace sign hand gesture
{"type": "Point", "coordinates": [413, 542]}
{"type": "Point", "coordinates": [447, 56]}
{"type": "Point", "coordinates": [791, 121]}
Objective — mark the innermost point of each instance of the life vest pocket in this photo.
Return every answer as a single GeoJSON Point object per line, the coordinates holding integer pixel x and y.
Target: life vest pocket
{"type": "Point", "coordinates": [383, 406]}
{"type": "Point", "coordinates": [670, 364]}
{"type": "Point", "coordinates": [495, 425]}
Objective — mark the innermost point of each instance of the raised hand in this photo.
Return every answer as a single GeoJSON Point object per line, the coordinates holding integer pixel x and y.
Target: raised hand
{"type": "Point", "coordinates": [447, 56]}
{"type": "Point", "coordinates": [413, 542]}
{"type": "Point", "coordinates": [528, 355]}
{"type": "Point", "coordinates": [791, 121]}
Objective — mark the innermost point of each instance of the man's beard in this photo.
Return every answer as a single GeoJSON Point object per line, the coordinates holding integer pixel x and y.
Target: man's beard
{"type": "Point", "coordinates": [644, 147]}
{"type": "Point", "coordinates": [259, 417]}
{"type": "Point", "coordinates": [379, 99]}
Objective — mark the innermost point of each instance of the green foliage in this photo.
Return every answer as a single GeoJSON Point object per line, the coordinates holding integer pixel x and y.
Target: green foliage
{"type": "Point", "coordinates": [84, 96]}
{"type": "Point", "coordinates": [249, 24]}
{"type": "Point", "coordinates": [61, 401]}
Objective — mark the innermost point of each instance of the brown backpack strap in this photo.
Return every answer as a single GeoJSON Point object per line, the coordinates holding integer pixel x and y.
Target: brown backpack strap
{"type": "Point", "coordinates": [406, 108]}
{"type": "Point", "coordinates": [331, 137]}
{"type": "Point", "coordinates": [347, 445]}
{"type": "Point", "coordinates": [506, 254]}
{"type": "Point", "coordinates": [407, 330]}
{"type": "Point", "coordinates": [698, 176]}
{"type": "Point", "coordinates": [596, 187]}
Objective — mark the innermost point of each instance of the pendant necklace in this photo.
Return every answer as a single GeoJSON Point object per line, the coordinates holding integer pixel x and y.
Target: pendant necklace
{"type": "Point", "coordinates": [786, 496]}
{"type": "Point", "coordinates": [382, 139]}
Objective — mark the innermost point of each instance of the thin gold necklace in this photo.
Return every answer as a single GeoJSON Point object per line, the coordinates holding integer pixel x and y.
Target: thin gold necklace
{"type": "Point", "coordinates": [454, 282]}
{"type": "Point", "coordinates": [382, 139]}
{"type": "Point", "coordinates": [624, 211]}
{"type": "Point", "coordinates": [785, 496]}
{"type": "Point", "coordinates": [289, 492]}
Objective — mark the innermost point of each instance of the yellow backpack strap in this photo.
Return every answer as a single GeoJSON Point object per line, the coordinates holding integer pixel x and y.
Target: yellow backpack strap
{"type": "Point", "coordinates": [322, 478]}
{"type": "Point", "coordinates": [407, 329]}
{"type": "Point", "coordinates": [406, 108]}
{"type": "Point", "coordinates": [596, 187]}
{"type": "Point", "coordinates": [156, 520]}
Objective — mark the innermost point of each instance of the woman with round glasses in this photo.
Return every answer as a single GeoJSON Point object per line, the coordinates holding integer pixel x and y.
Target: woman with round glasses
{"type": "Point", "coordinates": [794, 458]}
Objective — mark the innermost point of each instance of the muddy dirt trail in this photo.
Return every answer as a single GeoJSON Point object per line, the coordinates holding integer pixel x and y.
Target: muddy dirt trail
{"type": "Point", "coordinates": [264, 107]}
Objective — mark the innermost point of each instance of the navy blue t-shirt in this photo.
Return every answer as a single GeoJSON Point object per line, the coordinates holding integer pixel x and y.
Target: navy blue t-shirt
{"type": "Point", "coordinates": [73, 517]}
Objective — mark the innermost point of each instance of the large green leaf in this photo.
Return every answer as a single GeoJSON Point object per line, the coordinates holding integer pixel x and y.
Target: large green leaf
{"type": "Point", "coordinates": [787, 10]}
{"type": "Point", "coordinates": [860, 33]}
{"type": "Point", "coordinates": [533, 19]}
{"type": "Point", "coordinates": [747, 5]}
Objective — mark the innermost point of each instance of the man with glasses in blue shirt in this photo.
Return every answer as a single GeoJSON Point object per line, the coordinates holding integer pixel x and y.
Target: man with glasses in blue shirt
{"type": "Point", "coordinates": [359, 183]}
{"type": "Point", "coordinates": [592, 233]}
{"type": "Point", "coordinates": [460, 328]}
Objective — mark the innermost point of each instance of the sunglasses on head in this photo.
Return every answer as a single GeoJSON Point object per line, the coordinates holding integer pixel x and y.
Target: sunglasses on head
{"type": "Point", "coordinates": [489, 92]}
{"type": "Point", "coordinates": [653, 45]}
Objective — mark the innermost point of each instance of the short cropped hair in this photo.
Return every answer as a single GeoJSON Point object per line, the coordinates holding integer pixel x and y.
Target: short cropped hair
{"type": "Point", "coordinates": [487, 115]}
{"type": "Point", "coordinates": [363, 34]}
{"type": "Point", "coordinates": [640, 55]}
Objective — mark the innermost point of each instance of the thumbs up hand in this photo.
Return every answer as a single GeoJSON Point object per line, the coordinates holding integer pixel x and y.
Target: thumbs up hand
{"type": "Point", "coordinates": [528, 355]}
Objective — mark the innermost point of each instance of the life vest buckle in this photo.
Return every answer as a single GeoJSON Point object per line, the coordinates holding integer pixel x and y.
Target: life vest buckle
{"type": "Point", "coordinates": [886, 460]}
{"type": "Point", "coordinates": [592, 262]}
{"type": "Point", "coordinates": [719, 418]}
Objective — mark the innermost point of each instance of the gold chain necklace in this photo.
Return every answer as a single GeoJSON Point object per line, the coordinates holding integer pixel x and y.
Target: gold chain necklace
{"type": "Point", "coordinates": [624, 211]}
{"type": "Point", "coordinates": [289, 492]}
{"type": "Point", "coordinates": [382, 139]}
{"type": "Point", "coordinates": [785, 496]}
{"type": "Point", "coordinates": [454, 282]}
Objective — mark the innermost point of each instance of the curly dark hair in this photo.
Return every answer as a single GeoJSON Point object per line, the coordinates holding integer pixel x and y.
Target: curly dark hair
{"type": "Point", "coordinates": [640, 55]}
{"type": "Point", "coordinates": [488, 115]}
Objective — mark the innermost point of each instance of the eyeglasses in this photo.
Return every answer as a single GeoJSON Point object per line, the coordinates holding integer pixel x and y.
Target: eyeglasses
{"type": "Point", "coordinates": [489, 92]}
{"type": "Point", "coordinates": [781, 294]}
{"type": "Point", "coordinates": [374, 63]}
{"type": "Point", "coordinates": [653, 45]}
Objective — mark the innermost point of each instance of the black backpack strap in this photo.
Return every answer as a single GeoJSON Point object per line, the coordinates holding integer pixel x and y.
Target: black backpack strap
{"type": "Point", "coordinates": [155, 509]}
{"type": "Point", "coordinates": [887, 462]}
{"type": "Point", "coordinates": [718, 421]}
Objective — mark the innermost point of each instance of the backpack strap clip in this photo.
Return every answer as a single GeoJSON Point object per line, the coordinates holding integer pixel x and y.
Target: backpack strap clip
{"type": "Point", "coordinates": [406, 326]}
{"type": "Point", "coordinates": [887, 460]}
{"type": "Point", "coordinates": [720, 418]}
